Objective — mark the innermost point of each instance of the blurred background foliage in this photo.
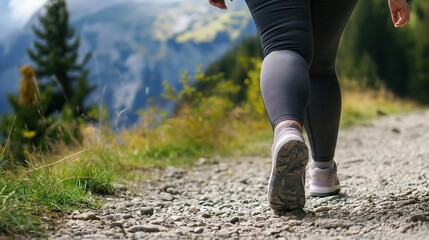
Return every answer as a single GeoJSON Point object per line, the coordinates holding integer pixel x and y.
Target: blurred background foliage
{"type": "Point", "coordinates": [51, 109]}
{"type": "Point", "coordinates": [51, 99]}
{"type": "Point", "coordinates": [373, 52]}
{"type": "Point", "coordinates": [218, 111]}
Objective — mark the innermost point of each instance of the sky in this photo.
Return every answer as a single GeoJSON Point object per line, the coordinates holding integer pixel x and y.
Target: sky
{"type": "Point", "coordinates": [15, 13]}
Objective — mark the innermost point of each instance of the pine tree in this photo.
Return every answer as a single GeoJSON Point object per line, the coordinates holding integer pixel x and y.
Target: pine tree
{"type": "Point", "coordinates": [45, 111]}
{"type": "Point", "coordinates": [235, 65]}
{"type": "Point", "coordinates": [27, 123]}
{"type": "Point", "coordinates": [63, 78]}
{"type": "Point", "coordinates": [31, 130]}
{"type": "Point", "coordinates": [419, 83]}
{"type": "Point", "coordinates": [372, 49]}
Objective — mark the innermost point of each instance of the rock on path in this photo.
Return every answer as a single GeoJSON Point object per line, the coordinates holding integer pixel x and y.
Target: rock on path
{"type": "Point", "coordinates": [383, 169]}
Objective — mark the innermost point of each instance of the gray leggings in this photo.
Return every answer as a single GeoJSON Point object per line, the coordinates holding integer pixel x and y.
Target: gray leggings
{"type": "Point", "coordinates": [298, 80]}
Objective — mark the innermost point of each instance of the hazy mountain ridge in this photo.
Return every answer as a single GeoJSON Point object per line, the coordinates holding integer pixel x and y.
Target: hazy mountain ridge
{"type": "Point", "coordinates": [137, 45]}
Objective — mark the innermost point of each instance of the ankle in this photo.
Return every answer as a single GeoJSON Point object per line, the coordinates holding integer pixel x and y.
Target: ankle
{"type": "Point", "coordinates": [290, 123]}
{"type": "Point", "coordinates": [324, 164]}
{"type": "Point", "coordinates": [290, 128]}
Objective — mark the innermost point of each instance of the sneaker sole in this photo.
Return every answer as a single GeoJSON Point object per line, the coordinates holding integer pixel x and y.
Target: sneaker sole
{"type": "Point", "coordinates": [286, 190]}
{"type": "Point", "coordinates": [324, 192]}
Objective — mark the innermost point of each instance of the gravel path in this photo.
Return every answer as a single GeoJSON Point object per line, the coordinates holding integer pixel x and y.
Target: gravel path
{"type": "Point", "coordinates": [383, 169]}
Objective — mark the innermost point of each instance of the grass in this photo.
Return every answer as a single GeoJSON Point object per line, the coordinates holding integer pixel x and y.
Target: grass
{"type": "Point", "coordinates": [15, 215]}
{"type": "Point", "coordinates": [67, 179]}
{"type": "Point", "coordinates": [46, 190]}
{"type": "Point", "coordinates": [362, 105]}
{"type": "Point", "coordinates": [24, 199]}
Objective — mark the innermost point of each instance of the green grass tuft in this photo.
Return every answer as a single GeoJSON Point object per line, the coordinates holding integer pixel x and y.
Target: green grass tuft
{"type": "Point", "coordinates": [92, 178]}
{"type": "Point", "coordinates": [15, 214]}
{"type": "Point", "coordinates": [49, 190]}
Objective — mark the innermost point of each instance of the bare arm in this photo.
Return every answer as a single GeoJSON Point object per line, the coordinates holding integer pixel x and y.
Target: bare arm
{"type": "Point", "coordinates": [219, 4]}
{"type": "Point", "coordinates": [400, 12]}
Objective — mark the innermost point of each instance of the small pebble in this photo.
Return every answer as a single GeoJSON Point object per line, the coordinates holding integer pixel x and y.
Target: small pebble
{"type": "Point", "coordinates": [146, 211]}
{"type": "Point", "coordinates": [234, 220]}
{"type": "Point", "coordinates": [145, 228]}
{"type": "Point", "coordinates": [419, 217]}
{"type": "Point", "coordinates": [116, 224]}
{"type": "Point", "coordinates": [86, 216]}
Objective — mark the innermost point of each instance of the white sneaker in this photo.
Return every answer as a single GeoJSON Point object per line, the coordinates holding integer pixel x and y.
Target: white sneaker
{"type": "Point", "coordinates": [286, 190]}
{"type": "Point", "coordinates": [323, 181]}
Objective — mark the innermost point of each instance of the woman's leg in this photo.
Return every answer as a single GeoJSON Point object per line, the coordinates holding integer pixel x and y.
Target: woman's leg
{"type": "Point", "coordinates": [285, 32]}
{"type": "Point", "coordinates": [329, 18]}
{"type": "Point", "coordinates": [285, 86]}
{"type": "Point", "coordinates": [284, 28]}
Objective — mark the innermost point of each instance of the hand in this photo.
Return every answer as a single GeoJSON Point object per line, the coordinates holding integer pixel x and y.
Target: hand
{"type": "Point", "coordinates": [219, 4]}
{"type": "Point", "coordinates": [400, 12]}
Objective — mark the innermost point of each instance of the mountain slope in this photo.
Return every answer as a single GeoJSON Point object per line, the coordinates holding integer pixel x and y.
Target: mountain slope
{"type": "Point", "coordinates": [137, 45]}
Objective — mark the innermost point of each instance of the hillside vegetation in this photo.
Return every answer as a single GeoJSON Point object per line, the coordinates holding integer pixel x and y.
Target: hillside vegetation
{"type": "Point", "coordinates": [209, 122]}
{"type": "Point", "coordinates": [152, 41]}
{"type": "Point", "coordinates": [219, 113]}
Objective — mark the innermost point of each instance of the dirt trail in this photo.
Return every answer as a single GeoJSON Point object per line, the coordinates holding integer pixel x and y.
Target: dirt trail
{"type": "Point", "coordinates": [383, 169]}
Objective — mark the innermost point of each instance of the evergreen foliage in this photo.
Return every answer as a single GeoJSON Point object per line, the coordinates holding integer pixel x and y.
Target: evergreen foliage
{"type": "Point", "coordinates": [373, 51]}
{"type": "Point", "coordinates": [55, 53]}
{"type": "Point", "coordinates": [419, 85]}
{"type": "Point", "coordinates": [26, 122]}
{"type": "Point", "coordinates": [234, 65]}
{"type": "Point", "coordinates": [32, 130]}
{"type": "Point", "coordinates": [46, 111]}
